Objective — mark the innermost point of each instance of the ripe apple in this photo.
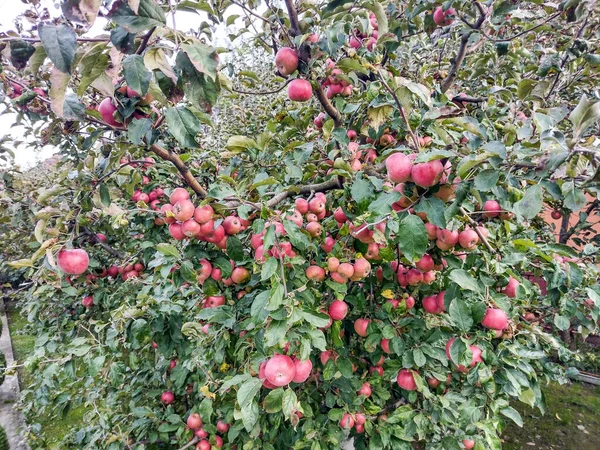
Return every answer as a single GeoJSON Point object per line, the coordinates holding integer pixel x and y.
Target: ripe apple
{"type": "Point", "coordinates": [443, 18]}
{"type": "Point", "coordinates": [280, 370]}
{"type": "Point", "coordinates": [362, 268]}
{"type": "Point", "coordinates": [315, 273]}
{"type": "Point", "coordinates": [556, 214]}
{"type": "Point", "coordinates": [73, 261]}
{"type": "Point", "coordinates": [88, 301]}
{"type": "Point", "coordinates": [167, 397]}
{"type": "Point", "coordinates": [360, 326]}
{"type": "Point", "coordinates": [183, 210]}
{"type": "Point", "coordinates": [203, 445]}
{"type": "Point", "coordinates": [176, 231]}
{"type": "Point", "coordinates": [468, 443]}
{"type": "Point", "coordinates": [426, 263]}
{"type": "Point", "coordinates": [301, 205]}
{"type": "Point", "coordinates": [476, 356]}
{"type": "Point", "coordinates": [338, 310]}
{"type": "Point", "coordinates": [194, 421]}
{"type": "Point", "coordinates": [447, 237]}
{"type": "Point", "coordinates": [190, 228]}
{"type": "Point", "coordinates": [232, 225]}
{"type": "Point", "coordinates": [345, 270]}
{"type": "Point", "coordinates": [299, 90]}
{"type": "Point", "coordinates": [414, 277]}
{"type": "Point", "coordinates": [303, 369]}
{"type": "Point", "coordinates": [203, 214]}
{"type": "Point", "coordinates": [399, 167]}
{"type": "Point", "coordinates": [511, 288]}
{"type": "Point", "coordinates": [107, 109]}
{"type": "Point", "coordinates": [406, 380]}
{"type": "Point", "coordinates": [222, 427]}
{"type": "Point", "coordinates": [347, 421]}
{"type": "Point", "coordinates": [492, 209]}
{"type": "Point", "coordinates": [316, 205]}
{"type": "Point", "coordinates": [433, 382]}
{"type": "Point", "coordinates": [385, 345]}
{"type": "Point", "coordinates": [327, 246]}
{"type": "Point", "coordinates": [376, 369]}
{"type": "Point", "coordinates": [495, 319]}
{"type": "Point", "coordinates": [365, 390]}
{"type": "Point", "coordinates": [314, 229]}
{"type": "Point", "coordinates": [178, 194]}
{"type": "Point", "coordinates": [240, 275]}
{"type": "Point", "coordinates": [213, 301]}
{"type": "Point", "coordinates": [201, 433]}
{"type": "Point", "coordinates": [351, 135]}
{"type": "Point", "coordinates": [286, 61]}
{"type": "Point", "coordinates": [468, 239]}
{"type": "Point", "coordinates": [427, 174]}
{"type": "Point", "coordinates": [430, 304]}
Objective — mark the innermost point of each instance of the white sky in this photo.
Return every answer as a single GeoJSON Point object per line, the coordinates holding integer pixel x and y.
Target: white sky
{"type": "Point", "coordinates": [10, 9]}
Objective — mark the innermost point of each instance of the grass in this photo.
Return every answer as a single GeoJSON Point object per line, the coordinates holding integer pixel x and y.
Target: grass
{"type": "Point", "coordinates": [53, 429]}
{"type": "Point", "coordinates": [571, 421]}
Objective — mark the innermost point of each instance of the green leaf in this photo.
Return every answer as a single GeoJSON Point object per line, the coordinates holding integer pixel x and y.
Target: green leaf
{"type": "Point", "coordinates": [238, 144]}
{"type": "Point", "coordinates": [20, 52]}
{"type": "Point", "coordinates": [562, 323]}
{"type": "Point", "coordinates": [198, 87]}
{"type": "Point", "coordinates": [104, 194]}
{"type": "Point", "coordinates": [273, 401]}
{"type": "Point", "coordinates": [531, 203]}
{"type": "Point", "coordinates": [183, 125]}
{"type": "Point", "coordinates": [149, 14]}
{"type": "Point", "coordinates": [168, 250]}
{"type": "Point", "coordinates": [156, 59]}
{"type": "Point", "coordinates": [419, 357]}
{"type": "Point", "coordinates": [434, 208]}
{"type": "Point", "coordinates": [362, 190]}
{"type": "Point", "coordinates": [187, 272]}
{"type": "Point", "coordinates": [275, 332]}
{"type": "Point", "coordinates": [289, 403]}
{"type": "Point", "coordinates": [318, 319]}
{"type": "Point", "coordinates": [574, 198]}
{"type": "Point", "coordinates": [247, 391]}
{"type": "Point", "coordinates": [383, 203]}
{"type": "Point", "coordinates": [250, 416]}
{"type": "Point", "coordinates": [92, 65]}
{"type": "Point", "coordinates": [583, 116]}
{"type": "Point", "coordinates": [464, 280]}
{"type": "Point", "coordinates": [60, 43]}
{"type": "Point", "coordinates": [486, 180]}
{"type": "Point", "coordinates": [59, 83]}
{"type": "Point", "coordinates": [203, 57]}
{"type": "Point", "coordinates": [512, 414]}
{"type": "Point", "coordinates": [259, 303]}
{"type": "Point", "coordinates": [235, 250]}
{"type": "Point", "coordinates": [276, 299]}
{"type": "Point", "coordinates": [412, 237]}
{"type": "Point", "coordinates": [460, 313]}
{"type": "Point", "coordinates": [269, 268]}
{"type": "Point", "coordinates": [138, 129]}
{"type": "Point", "coordinates": [136, 74]}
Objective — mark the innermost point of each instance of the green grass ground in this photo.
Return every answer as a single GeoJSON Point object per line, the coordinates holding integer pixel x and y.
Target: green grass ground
{"type": "Point", "coordinates": [572, 420]}
{"type": "Point", "coordinates": [53, 429]}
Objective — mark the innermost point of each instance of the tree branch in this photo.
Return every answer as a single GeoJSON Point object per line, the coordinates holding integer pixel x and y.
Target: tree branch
{"type": "Point", "coordinates": [93, 237]}
{"type": "Point", "coordinates": [401, 109]}
{"type": "Point", "coordinates": [190, 444]}
{"type": "Point", "coordinates": [181, 166]}
{"type": "Point", "coordinates": [553, 16]}
{"type": "Point", "coordinates": [327, 106]}
{"type": "Point", "coordinates": [145, 40]}
{"type": "Point", "coordinates": [279, 89]}
{"type": "Point", "coordinates": [475, 227]}
{"type": "Point", "coordinates": [462, 50]}
{"type": "Point", "coordinates": [294, 23]}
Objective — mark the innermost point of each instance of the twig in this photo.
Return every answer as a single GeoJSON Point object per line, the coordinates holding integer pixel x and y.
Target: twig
{"type": "Point", "coordinates": [146, 38]}
{"type": "Point", "coordinates": [174, 24]}
{"type": "Point", "coordinates": [294, 23]}
{"type": "Point", "coordinates": [79, 39]}
{"type": "Point", "coordinates": [285, 291]}
{"type": "Point", "coordinates": [402, 112]}
{"type": "Point", "coordinates": [462, 50]}
{"type": "Point", "coordinates": [93, 237]}
{"type": "Point", "coordinates": [181, 166]}
{"type": "Point", "coordinates": [279, 89]}
{"type": "Point", "coordinates": [475, 227]}
{"type": "Point", "coordinates": [566, 57]}
{"type": "Point", "coordinates": [553, 16]}
{"type": "Point", "coordinates": [327, 106]}
{"type": "Point", "coordinates": [190, 444]}
{"type": "Point", "coordinates": [133, 161]}
{"type": "Point", "coordinates": [249, 11]}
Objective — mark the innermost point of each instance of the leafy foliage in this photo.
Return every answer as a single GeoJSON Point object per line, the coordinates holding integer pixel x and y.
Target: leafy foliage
{"type": "Point", "coordinates": [503, 111]}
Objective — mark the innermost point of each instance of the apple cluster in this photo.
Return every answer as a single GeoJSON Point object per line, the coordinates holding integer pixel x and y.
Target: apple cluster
{"type": "Point", "coordinates": [369, 39]}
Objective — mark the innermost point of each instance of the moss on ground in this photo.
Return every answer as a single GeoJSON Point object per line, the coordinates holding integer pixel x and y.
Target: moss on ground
{"type": "Point", "coordinates": [53, 429]}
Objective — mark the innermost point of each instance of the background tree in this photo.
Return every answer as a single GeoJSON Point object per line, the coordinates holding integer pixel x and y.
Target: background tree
{"type": "Point", "coordinates": [363, 259]}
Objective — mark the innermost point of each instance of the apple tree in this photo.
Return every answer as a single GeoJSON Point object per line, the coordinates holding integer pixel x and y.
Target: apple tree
{"type": "Point", "coordinates": [329, 235]}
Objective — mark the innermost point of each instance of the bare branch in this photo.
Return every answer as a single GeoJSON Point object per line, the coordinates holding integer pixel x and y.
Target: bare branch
{"type": "Point", "coordinates": [279, 89]}
{"type": "Point", "coordinates": [181, 166]}
{"type": "Point", "coordinates": [327, 106]}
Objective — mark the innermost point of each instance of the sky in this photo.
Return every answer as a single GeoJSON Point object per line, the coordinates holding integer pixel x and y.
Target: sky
{"type": "Point", "coordinates": [25, 156]}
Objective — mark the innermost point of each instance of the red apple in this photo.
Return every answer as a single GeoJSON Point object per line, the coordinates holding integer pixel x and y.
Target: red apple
{"type": "Point", "coordinates": [511, 288]}
{"type": "Point", "coordinates": [299, 90]}
{"type": "Point", "coordinates": [347, 421]}
{"type": "Point", "coordinates": [338, 310]}
{"type": "Point", "coordinates": [443, 18]}
{"type": "Point", "coordinates": [406, 380]}
{"type": "Point", "coordinates": [360, 326]}
{"type": "Point", "coordinates": [280, 370]}
{"type": "Point", "coordinates": [88, 301]}
{"type": "Point", "coordinates": [286, 61]}
{"type": "Point", "coordinates": [232, 225]}
{"type": "Point", "coordinates": [303, 369]}
{"type": "Point", "coordinates": [167, 397]}
{"type": "Point", "coordinates": [492, 209]}
{"type": "Point", "coordinates": [399, 167]}
{"type": "Point", "coordinates": [365, 390]}
{"type": "Point", "coordinates": [495, 319]}
{"type": "Point", "coordinates": [107, 109]}
{"type": "Point", "coordinates": [427, 174]}
{"type": "Point", "coordinates": [73, 261]}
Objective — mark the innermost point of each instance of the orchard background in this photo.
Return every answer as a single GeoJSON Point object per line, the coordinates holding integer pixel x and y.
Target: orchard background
{"type": "Point", "coordinates": [330, 232]}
